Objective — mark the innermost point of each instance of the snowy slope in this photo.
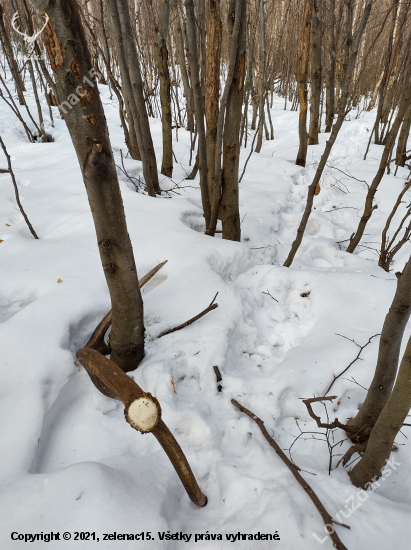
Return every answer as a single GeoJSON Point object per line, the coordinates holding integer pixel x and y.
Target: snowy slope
{"type": "Point", "coordinates": [69, 461]}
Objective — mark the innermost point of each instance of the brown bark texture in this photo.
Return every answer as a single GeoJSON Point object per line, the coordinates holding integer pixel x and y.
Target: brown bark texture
{"type": "Point", "coordinates": [302, 82]}
{"type": "Point", "coordinates": [70, 59]}
{"type": "Point", "coordinates": [388, 354]}
{"type": "Point", "coordinates": [229, 207]}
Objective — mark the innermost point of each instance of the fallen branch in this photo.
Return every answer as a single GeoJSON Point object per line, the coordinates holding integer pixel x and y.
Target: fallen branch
{"type": "Point", "coordinates": [352, 362]}
{"type": "Point", "coordinates": [16, 190]}
{"type": "Point", "coordinates": [190, 321]}
{"type": "Point", "coordinates": [96, 340]}
{"type": "Point", "coordinates": [328, 520]}
{"type": "Point", "coordinates": [142, 411]}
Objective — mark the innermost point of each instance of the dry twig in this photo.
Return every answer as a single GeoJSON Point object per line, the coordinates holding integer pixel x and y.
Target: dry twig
{"type": "Point", "coordinates": [352, 362]}
{"type": "Point", "coordinates": [328, 520]}
{"type": "Point", "coordinates": [190, 321]}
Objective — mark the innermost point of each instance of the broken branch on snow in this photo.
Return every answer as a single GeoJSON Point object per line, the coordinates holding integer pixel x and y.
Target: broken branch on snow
{"type": "Point", "coordinates": [190, 321]}
{"type": "Point", "coordinates": [328, 520]}
{"type": "Point", "coordinates": [142, 411]}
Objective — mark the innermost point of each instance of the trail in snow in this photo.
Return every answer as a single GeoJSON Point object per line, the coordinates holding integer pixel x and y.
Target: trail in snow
{"type": "Point", "coordinates": [69, 460]}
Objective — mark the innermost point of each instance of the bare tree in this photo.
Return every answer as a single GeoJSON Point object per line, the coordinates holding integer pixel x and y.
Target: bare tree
{"type": "Point", "coordinates": [302, 82]}
{"type": "Point", "coordinates": [69, 56]}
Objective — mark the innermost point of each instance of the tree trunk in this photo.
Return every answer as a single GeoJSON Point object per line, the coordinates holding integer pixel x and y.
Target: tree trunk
{"type": "Point", "coordinates": [354, 45]}
{"type": "Point", "coordinates": [330, 81]}
{"type": "Point", "coordinates": [400, 154]}
{"type": "Point", "coordinates": [229, 208]}
{"type": "Point", "coordinates": [316, 71]}
{"type": "Point", "coordinates": [188, 92]}
{"type": "Point", "coordinates": [192, 55]}
{"type": "Point", "coordinates": [212, 86]}
{"type": "Point", "coordinates": [302, 82]}
{"type": "Point", "coordinates": [71, 62]}
{"type": "Point", "coordinates": [389, 143]}
{"type": "Point", "coordinates": [261, 76]}
{"type": "Point", "coordinates": [8, 50]}
{"type": "Point", "coordinates": [130, 71]}
{"type": "Point", "coordinates": [165, 89]}
{"type": "Point", "coordinates": [388, 354]}
{"type": "Point", "coordinates": [389, 423]}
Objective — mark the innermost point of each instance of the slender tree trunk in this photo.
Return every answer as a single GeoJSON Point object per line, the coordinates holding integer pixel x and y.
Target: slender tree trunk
{"type": "Point", "coordinates": [201, 14]}
{"type": "Point", "coordinates": [261, 75]}
{"type": "Point", "coordinates": [212, 86]}
{"type": "Point", "coordinates": [316, 71]}
{"type": "Point", "coordinates": [234, 24]}
{"type": "Point", "coordinates": [397, 46]}
{"type": "Point", "coordinates": [71, 62]}
{"type": "Point", "coordinates": [192, 55]}
{"type": "Point", "coordinates": [330, 82]}
{"type": "Point", "coordinates": [389, 423]}
{"type": "Point", "coordinates": [388, 354]}
{"type": "Point", "coordinates": [302, 82]}
{"type": "Point", "coordinates": [8, 49]}
{"type": "Point", "coordinates": [188, 92]}
{"type": "Point", "coordinates": [131, 77]}
{"type": "Point", "coordinates": [165, 89]}
{"type": "Point", "coordinates": [400, 153]}
{"type": "Point", "coordinates": [389, 143]}
{"type": "Point", "coordinates": [229, 208]}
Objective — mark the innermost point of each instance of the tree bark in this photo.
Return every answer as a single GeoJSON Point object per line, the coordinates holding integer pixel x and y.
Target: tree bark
{"type": "Point", "coordinates": [188, 92]}
{"type": "Point", "coordinates": [71, 62]}
{"type": "Point", "coordinates": [385, 158]}
{"type": "Point", "coordinates": [388, 354]}
{"type": "Point", "coordinates": [165, 88]}
{"type": "Point", "coordinates": [302, 82]}
{"type": "Point", "coordinates": [261, 76]}
{"type": "Point", "coordinates": [330, 80]}
{"type": "Point", "coordinates": [229, 208]}
{"type": "Point", "coordinates": [374, 462]}
{"type": "Point", "coordinates": [193, 57]}
{"type": "Point", "coordinates": [126, 48]}
{"type": "Point", "coordinates": [316, 71]}
{"type": "Point", "coordinates": [212, 86]}
{"type": "Point", "coordinates": [400, 154]}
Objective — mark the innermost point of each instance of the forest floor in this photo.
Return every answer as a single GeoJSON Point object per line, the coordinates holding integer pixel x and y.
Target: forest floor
{"type": "Point", "coordinates": [69, 461]}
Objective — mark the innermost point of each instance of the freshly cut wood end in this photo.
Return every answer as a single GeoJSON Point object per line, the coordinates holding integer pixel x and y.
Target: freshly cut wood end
{"type": "Point", "coordinates": [143, 413]}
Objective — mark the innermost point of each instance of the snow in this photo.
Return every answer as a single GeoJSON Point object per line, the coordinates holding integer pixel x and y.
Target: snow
{"type": "Point", "coordinates": [70, 462]}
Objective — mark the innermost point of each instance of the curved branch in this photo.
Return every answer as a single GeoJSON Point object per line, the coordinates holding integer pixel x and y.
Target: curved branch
{"type": "Point", "coordinates": [142, 411]}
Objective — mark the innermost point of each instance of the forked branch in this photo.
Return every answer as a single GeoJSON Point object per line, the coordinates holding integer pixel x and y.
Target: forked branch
{"type": "Point", "coordinates": [330, 425]}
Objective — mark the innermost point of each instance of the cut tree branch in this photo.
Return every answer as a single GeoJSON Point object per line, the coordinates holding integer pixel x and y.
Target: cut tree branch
{"type": "Point", "coordinates": [142, 411]}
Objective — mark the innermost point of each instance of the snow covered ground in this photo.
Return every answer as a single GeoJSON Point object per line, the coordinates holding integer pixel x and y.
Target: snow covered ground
{"type": "Point", "coordinates": [70, 463]}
